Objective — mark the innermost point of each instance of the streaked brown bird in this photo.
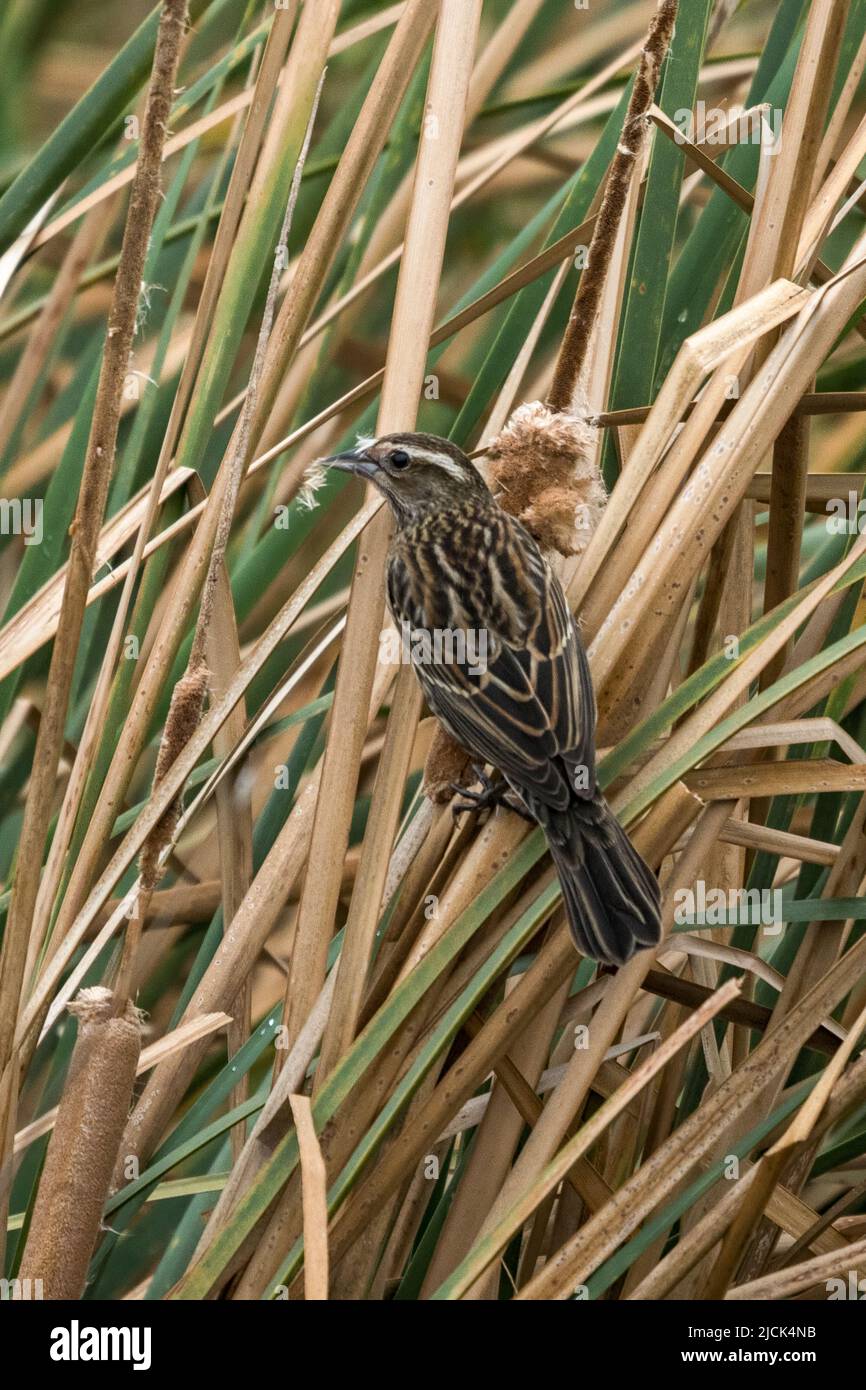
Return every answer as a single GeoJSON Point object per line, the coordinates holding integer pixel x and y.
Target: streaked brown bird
{"type": "Point", "coordinates": [459, 565]}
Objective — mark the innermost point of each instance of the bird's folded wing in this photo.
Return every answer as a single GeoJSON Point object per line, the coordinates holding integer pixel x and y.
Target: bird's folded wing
{"type": "Point", "coordinates": [531, 711]}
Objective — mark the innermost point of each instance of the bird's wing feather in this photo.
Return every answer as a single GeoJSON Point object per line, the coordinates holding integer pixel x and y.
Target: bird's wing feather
{"type": "Point", "coordinates": [530, 711]}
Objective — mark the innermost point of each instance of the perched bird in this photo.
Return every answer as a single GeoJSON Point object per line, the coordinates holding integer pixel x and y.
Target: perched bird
{"type": "Point", "coordinates": [459, 564]}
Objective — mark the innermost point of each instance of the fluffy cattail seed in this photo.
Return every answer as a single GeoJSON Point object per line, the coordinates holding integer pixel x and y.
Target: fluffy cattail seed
{"type": "Point", "coordinates": [541, 469]}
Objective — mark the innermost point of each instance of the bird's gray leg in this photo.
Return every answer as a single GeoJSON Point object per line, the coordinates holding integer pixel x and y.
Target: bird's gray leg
{"type": "Point", "coordinates": [493, 793]}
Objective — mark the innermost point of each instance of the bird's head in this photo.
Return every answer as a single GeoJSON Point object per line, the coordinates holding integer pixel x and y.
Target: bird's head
{"type": "Point", "coordinates": [416, 473]}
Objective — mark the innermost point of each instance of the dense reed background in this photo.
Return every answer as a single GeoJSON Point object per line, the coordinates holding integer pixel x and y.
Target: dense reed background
{"type": "Point", "coordinates": [296, 1031]}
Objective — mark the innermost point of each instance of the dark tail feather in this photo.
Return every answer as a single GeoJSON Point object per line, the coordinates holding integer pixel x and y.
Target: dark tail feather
{"type": "Point", "coordinates": [612, 898]}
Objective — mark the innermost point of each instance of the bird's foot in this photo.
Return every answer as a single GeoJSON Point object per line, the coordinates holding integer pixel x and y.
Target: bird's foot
{"type": "Point", "coordinates": [491, 793]}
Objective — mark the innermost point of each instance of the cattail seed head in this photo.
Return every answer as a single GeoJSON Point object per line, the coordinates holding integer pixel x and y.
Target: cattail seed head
{"type": "Point", "coordinates": [184, 716]}
{"type": "Point", "coordinates": [76, 1178]}
{"type": "Point", "coordinates": [542, 470]}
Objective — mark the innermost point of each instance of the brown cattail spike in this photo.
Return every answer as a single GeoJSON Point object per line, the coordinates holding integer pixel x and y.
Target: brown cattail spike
{"type": "Point", "coordinates": [184, 717]}
{"type": "Point", "coordinates": [81, 1156]}
{"type": "Point", "coordinates": [572, 354]}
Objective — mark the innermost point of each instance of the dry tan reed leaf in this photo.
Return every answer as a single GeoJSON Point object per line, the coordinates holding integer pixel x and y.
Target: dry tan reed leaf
{"type": "Point", "coordinates": [784, 1207]}
{"type": "Point", "coordinates": [773, 1163]}
{"type": "Point", "coordinates": [701, 354]}
{"type": "Point", "coordinates": [314, 1184]}
{"type": "Point", "coordinates": [708, 714]}
{"type": "Point", "coordinates": [500, 1125]}
{"type": "Point", "coordinates": [815, 959]}
{"type": "Point", "coordinates": [820, 486]}
{"type": "Point", "coordinates": [791, 731]}
{"type": "Point", "coordinates": [819, 272]}
{"type": "Point", "coordinates": [776, 779]}
{"type": "Point", "coordinates": [502, 152]}
{"type": "Point", "coordinates": [216, 632]}
{"type": "Point", "coordinates": [680, 577]}
{"type": "Point", "coordinates": [234, 813]}
{"type": "Point", "coordinates": [183, 902]}
{"type": "Point", "coordinates": [823, 215]}
{"type": "Point", "coordinates": [593, 1128]}
{"type": "Point", "coordinates": [697, 1135]}
{"type": "Point", "coordinates": [545, 976]}
{"type": "Point", "coordinates": [780, 842]}
{"type": "Point", "coordinates": [806, 1275]}
{"type": "Point", "coordinates": [507, 398]}
{"type": "Point", "coordinates": [779, 221]}
{"type": "Point", "coordinates": [565, 1102]}
{"type": "Point", "coordinates": [36, 622]}
{"type": "Point", "coordinates": [368, 896]}
{"type": "Point", "coordinates": [241, 945]}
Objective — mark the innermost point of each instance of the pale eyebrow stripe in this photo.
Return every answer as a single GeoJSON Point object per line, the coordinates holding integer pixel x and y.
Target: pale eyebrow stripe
{"type": "Point", "coordinates": [442, 461]}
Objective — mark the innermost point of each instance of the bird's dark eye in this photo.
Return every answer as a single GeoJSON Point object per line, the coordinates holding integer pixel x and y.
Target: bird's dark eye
{"type": "Point", "coordinates": [399, 458]}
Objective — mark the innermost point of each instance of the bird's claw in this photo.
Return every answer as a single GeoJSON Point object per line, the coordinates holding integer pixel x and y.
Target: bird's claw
{"type": "Point", "coordinates": [491, 794]}
{"type": "Point", "coordinates": [497, 793]}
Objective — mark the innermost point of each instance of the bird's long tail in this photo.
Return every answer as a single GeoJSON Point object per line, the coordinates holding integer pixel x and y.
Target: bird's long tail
{"type": "Point", "coordinates": [612, 898]}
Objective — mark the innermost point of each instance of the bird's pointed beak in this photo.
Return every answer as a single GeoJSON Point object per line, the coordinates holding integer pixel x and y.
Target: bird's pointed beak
{"type": "Point", "coordinates": [361, 464]}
